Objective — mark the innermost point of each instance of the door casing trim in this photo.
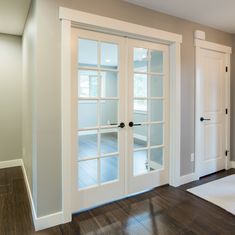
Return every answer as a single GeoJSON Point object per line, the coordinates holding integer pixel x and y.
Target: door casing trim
{"type": "Point", "coordinates": [73, 18]}
{"type": "Point", "coordinates": [201, 44]}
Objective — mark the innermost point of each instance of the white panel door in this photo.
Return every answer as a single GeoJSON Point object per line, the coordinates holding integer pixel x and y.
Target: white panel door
{"type": "Point", "coordinates": [211, 119]}
{"type": "Point", "coordinates": [148, 115]}
{"type": "Point", "coordinates": [98, 62]}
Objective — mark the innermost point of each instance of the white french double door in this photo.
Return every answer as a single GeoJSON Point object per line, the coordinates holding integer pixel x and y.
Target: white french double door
{"type": "Point", "coordinates": [120, 117]}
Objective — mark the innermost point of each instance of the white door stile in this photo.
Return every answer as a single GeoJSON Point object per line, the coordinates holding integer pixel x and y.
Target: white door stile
{"type": "Point", "coordinates": [152, 179]}
{"type": "Point", "coordinates": [106, 192]}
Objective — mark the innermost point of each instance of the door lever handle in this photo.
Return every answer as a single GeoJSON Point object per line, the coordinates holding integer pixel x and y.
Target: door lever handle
{"type": "Point", "coordinates": [122, 125]}
{"type": "Point", "coordinates": [131, 124]}
{"type": "Point", "coordinates": [204, 119]}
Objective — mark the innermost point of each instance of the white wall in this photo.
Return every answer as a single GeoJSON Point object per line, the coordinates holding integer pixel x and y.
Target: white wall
{"type": "Point", "coordinates": [10, 97]}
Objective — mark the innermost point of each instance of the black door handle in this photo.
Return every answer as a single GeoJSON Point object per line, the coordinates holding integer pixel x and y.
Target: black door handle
{"type": "Point", "coordinates": [131, 124]}
{"type": "Point", "coordinates": [204, 119]}
{"type": "Point", "coordinates": [122, 125]}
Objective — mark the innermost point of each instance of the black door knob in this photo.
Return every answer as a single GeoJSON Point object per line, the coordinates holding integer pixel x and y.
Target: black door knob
{"type": "Point", "coordinates": [122, 125]}
{"type": "Point", "coordinates": [131, 124]}
{"type": "Point", "coordinates": [204, 119]}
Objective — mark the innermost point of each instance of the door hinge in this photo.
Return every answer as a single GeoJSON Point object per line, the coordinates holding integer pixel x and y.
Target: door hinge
{"type": "Point", "coordinates": [226, 111]}
{"type": "Point", "coordinates": [226, 153]}
{"type": "Point", "coordinates": [226, 69]}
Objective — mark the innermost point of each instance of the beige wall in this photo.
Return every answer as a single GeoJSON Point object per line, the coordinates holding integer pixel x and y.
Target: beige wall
{"type": "Point", "coordinates": [10, 97]}
{"type": "Point", "coordinates": [47, 91]}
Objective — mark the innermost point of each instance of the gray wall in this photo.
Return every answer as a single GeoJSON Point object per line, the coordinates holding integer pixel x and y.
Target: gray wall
{"type": "Point", "coordinates": [48, 84]}
{"type": "Point", "coordinates": [29, 142]}
{"type": "Point", "coordinates": [10, 97]}
{"type": "Point", "coordinates": [29, 76]}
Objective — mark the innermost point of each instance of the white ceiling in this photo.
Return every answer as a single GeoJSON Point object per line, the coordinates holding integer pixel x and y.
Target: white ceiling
{"type": "Point", "coordinates": [13, 14]}
{"type": "Point", "coordinates": [219, 14]}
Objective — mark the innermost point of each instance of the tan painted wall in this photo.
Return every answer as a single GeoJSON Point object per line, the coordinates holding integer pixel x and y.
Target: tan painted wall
{"type": "Point", "coordinates": [10, 97]}
{"type": "Point", "coordinates": [47, 93]}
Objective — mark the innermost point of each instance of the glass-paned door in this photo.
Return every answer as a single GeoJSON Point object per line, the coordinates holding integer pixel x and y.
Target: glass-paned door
{"type": "Point", "coordinates": [120, 119]}
{"type": "Point", "coordinates": [98, 163]}
{"type": "Point", "coordinates": [148, 115]}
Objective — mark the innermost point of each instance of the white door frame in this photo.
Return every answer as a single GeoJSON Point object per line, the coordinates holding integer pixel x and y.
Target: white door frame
{"type": "Point", "coordinates": [201, 44]}
{"type": "Point", "coordinates": [73, 18]}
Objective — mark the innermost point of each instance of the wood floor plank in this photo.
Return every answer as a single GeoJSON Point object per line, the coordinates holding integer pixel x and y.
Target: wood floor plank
{"type": "Point", "coordinates": [162, 211]}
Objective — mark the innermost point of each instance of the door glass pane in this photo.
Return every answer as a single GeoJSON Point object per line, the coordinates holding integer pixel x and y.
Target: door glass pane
{"type": "Point", "coordinates": [156, 134]}
{"type": "Point", "coordinates": [140, 162]}
{"type": "Point", "coordinates": [140, 136]}
{"type": "Point", "coordinates": [109, 55]}
{"type": "Point", "coordinates": [140, 111]}
{"type": "Point", "coordinates": [109, 112]}
{"type": "Point", "coordinates": [156, 86]}
{"type": "Point", "coordinates": [140, 85]}
{"type": "Point", "coordinates": [156, 110]}
{"type": "Point", "coordinates": [88, 53]}
{"type": "Point", "coordinates": [156, 159]}
{"type": "Point", "coordinates": [109, 84]}
{"type": "Point", "coordinates": [87, 173]}
{"type": "Point", "coordinates": [88, 83]}
{"type": "Point", "coordinates": [87, 145]}
{"type": "Point", "coordinates": [108, 169]}
{"type": "Point", "coordinates": [156, 62]}
{"type": "Point", "coordinates": [140, 60]}
{"type": "Point", "coordinates": [109, 141]}
{"type": "Point", "coordinates": [87, 119]}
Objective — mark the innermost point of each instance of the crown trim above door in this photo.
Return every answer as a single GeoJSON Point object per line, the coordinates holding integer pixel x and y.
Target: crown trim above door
{"type": "Point", "coordinates": [87, 20]}
{"type": "Point", "coordinates": [73, 18]}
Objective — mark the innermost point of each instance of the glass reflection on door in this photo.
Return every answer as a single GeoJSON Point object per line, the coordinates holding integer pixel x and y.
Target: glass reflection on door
{"type": "Point", "coordinates": [98, 113]}
{"type": "Point", "coordinates": [148, 111]}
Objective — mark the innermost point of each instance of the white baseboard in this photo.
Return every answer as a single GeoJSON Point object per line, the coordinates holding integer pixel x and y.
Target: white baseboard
{"type": "Point", "coordinates": [11, 163]}
{"type": "Point", "coordinates": [29, 193]}
{"type": "Point", "coordinates": [42, 222]}
{"type": "Point", "coordinates": [188, 178]}
{"type": "Point", "coordinates": [232, 164]}
{"type": "Point", "coordinates": [48, 221]}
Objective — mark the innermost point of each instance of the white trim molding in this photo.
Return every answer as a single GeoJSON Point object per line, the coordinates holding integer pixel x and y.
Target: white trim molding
{"type": "Point", "coordinates": [188, 178]}
{"type": "Point", "coordinates": [42, 222]}
{"type": "Point", "coordinates": [212, 46]}
{"type": "Point", "coordinates": [84, 19]}
{"type": "Point", "coordinates": [78, 19]}
{"type": "Point", "coordinates": [34, 215]}
{"type": "Point", "coordinates": [48, 221]}
{"type": "Point", "coordinates": [11, 163]}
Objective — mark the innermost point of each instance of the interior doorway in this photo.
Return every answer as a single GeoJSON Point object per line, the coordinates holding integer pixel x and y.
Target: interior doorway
{"type": "Point", "coordinates": [70, 19]}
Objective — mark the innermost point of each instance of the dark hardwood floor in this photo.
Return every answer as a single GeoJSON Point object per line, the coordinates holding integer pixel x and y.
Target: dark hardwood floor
{"type": "Point", "coordinates": [164, 210]}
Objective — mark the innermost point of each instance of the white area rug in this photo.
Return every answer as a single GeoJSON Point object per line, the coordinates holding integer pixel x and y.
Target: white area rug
{"type": "Point", "coordinates": [220, 192]}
